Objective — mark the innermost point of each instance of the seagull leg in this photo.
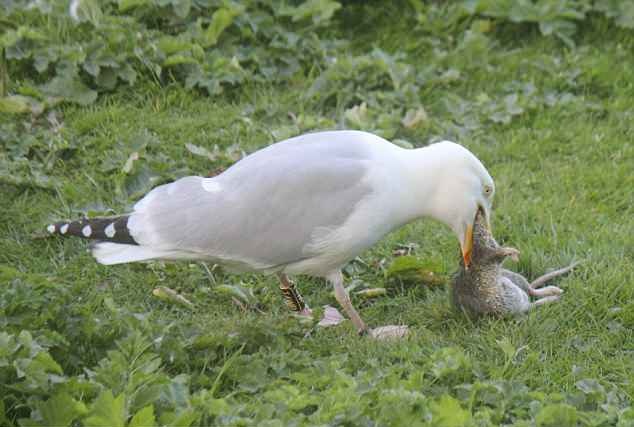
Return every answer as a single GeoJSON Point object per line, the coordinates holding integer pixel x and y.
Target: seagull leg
{"type": "Point", "coordinates": [292, 297]}
{"type": "Point", "coordinates": [344, 301]}
{"type": "Point", "coordinates": [381, 333]}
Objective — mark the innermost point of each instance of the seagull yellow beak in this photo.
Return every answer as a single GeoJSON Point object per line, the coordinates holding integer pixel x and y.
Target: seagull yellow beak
{"type": "Point", "coordinates": [467, 246]}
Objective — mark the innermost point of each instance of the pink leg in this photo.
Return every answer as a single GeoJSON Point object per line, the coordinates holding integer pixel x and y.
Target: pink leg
{"type": "Point", "coordinates": [344, 301]}
{"type": "Point", "coordinates": [545, 292]}
{"type": "Point", "coordinates": [545, 300]}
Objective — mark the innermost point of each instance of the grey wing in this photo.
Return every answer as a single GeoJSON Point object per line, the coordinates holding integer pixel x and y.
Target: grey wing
{"type": "Point", "coordinates": [260, 213]}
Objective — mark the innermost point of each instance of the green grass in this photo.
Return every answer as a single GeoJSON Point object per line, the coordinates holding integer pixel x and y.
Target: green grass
{"type": "Point", "coordinates": [564, 192]}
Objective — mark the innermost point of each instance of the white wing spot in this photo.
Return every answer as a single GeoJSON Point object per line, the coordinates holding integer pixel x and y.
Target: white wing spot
{"type": "Point", "coordinates": [51, 228]}
{"type": "Point", "coordinates": [63, 229]}
{"type": "Point", "coordinates": [86, 231]}
{"type": "Point", "coordinates": [110, 231]}
{"type": "Point", "coordinates": [210, 185]}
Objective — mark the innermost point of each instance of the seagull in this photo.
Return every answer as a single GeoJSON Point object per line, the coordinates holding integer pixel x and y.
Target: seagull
{"type": "Point", "coordinates": [303, 206]}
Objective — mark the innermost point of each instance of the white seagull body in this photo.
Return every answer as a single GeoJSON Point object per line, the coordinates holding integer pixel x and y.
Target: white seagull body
{"type": "Point", "coordinates": [306, 205]}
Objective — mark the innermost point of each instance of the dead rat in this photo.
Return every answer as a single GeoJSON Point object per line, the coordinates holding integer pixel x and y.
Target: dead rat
{"type": "Point", "coordinates": [487, 288]}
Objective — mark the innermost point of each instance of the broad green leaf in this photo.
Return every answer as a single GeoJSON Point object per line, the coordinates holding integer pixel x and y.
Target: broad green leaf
{"type": "Point", "coordinates": [177, 391]}
{"type": "Point", "coordinates": [172, 60]}
{"type": "Point", "coordinates": [60, 410]}
{"type": "Point", "coordinates": [147, 395]}
{"type": "Point", "coordinates": [127, 74]}
{"type": "Point", "coordinates": [318, 11]}
{"type": "Point", "coordinates": [593, 390]}
{"type": "Point", "coordinates": [107, 411]}
{"type": "Point", "coordinates": [626, 418]}
{"type": "Point", "coordinates": [13, 37]}
{"type": "Point", "coordinates": [70, 88]}
{"type": "Point", "coordinates": [17, 104]}
{"type": "Point", "coordinates": [185, 418]}
{"type": "Point", "coordinates": [557, 415]}
{"type": "Point", "coordinates": [220, 20]}
{"type": "Point", "coordinates": [86, 11]}
{"type": "Point", "coordinates": [447, 412]}
{"type": "Point", "coordinates": [181, 8]}
{"type": "Point", "coordinates": [170, 45]}
{"type": "Point", "coordinates": [36, 370]}
{"type": "Point", "coordinates": [450, 365]}
{"type": "Point", "coordinates": [143, 418]}
{"type": "Point", "coordinates": [125, 5]}
{"type": "Point", "coordinates": [411, 269]}
{"type": "Point", "coordinates": [107, 78]}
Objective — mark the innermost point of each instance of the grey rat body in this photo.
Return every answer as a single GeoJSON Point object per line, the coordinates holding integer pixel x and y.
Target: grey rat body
{"type": "Point", "coordinates": [487, 288]}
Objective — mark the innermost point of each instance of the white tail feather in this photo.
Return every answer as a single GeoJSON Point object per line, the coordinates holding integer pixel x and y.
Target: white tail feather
{"type": "Point", "coordinates": [109, 253]}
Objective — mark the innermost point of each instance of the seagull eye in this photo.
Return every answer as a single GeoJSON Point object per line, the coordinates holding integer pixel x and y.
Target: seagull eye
{"type": "Point", "coordinates": [488, 190]}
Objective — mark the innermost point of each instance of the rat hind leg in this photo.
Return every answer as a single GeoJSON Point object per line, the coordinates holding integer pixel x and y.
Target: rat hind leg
{"type": "Point", "coordinates": [514, 300]}
{"type": "Point", "coordinates": [548, 291]}
{"type": "Point", "coordinates": [545, 300]}
{"type": "Point", "coordinates": [519, 281]}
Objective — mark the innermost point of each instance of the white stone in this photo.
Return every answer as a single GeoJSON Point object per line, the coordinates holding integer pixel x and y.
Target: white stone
{"type": "Point", "coordinates": [86, 231]}
{"type": "Point", "coordinates": [63, 229]}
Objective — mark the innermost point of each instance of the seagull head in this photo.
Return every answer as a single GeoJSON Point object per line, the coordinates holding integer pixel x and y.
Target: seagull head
{"type": "Point", "coordinates": [462, 187]}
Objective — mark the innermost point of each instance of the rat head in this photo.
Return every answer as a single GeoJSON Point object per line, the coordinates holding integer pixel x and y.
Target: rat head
{"type": "Point", "coordinates": [486, 249]}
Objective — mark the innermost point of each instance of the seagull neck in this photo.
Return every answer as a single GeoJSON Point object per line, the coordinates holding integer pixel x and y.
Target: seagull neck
{"type": "Point", "coordinates": [422, 169]}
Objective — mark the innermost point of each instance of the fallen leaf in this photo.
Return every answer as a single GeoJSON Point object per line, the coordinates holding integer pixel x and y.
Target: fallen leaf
{"type": "Point", "coordinates": [170, 295]}
{"type": "Point", "coordinates": [202, 151]}
{"type": "Point", "coordinates": [127, 167]}
{"type": "Point", "coordinates": [415, 118]}
{"type": "Point", "coordinates": [357, 115]}
{"type": "Point", "coordinates": [331, 317]}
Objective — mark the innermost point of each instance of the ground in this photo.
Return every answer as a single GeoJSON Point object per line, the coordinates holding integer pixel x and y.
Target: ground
{"type": "Point", "coordinates": [552, 123]}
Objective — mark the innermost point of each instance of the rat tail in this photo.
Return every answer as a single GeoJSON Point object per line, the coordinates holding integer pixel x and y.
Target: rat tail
{"type": "Point", "coordinates": [540, 281]}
